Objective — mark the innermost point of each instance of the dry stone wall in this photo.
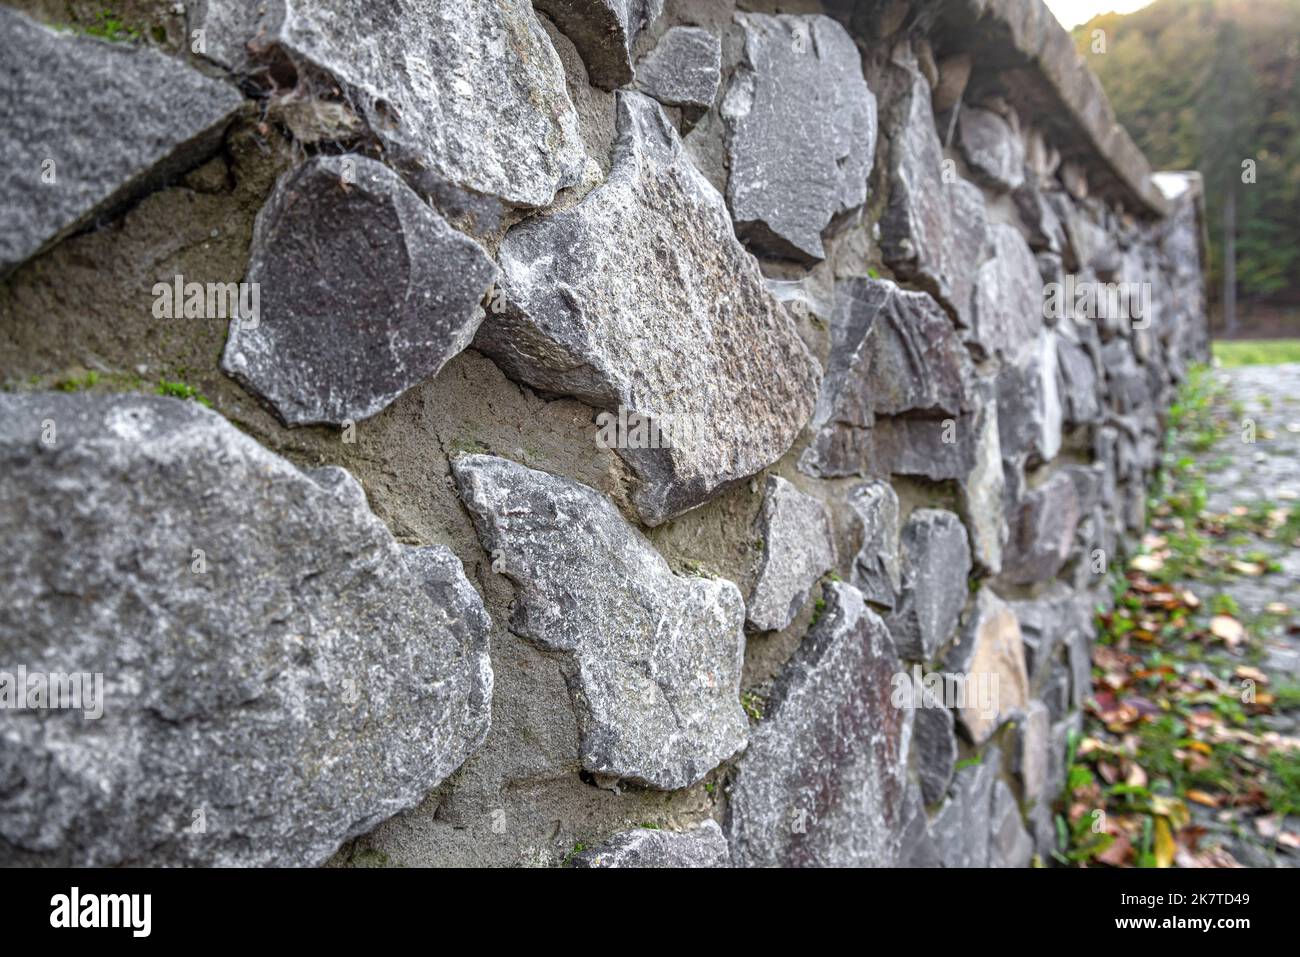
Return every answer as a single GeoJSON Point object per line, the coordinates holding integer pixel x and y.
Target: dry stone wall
{"type": "Point", "coordinates": [599, 433]}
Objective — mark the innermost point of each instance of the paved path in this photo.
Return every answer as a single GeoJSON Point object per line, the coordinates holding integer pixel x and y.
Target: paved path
{"type": "Point", "coordinates": [1266, 472]}
{"type": "Point", "coordinates": [1258, 475]}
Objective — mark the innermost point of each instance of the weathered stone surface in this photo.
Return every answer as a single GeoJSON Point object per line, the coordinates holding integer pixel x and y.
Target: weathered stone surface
{"type": "Point", "coordinates": [1045, 232]}
{"type": "Point", "coordinates": [936, 564]}
{"type": "Point", "coordinates": [801, 132]}
{"type": "Point", "coordinates": [991, 656]}
{"type": "Point", "coordinates": [653, 660]}
{"type": "Point", "coordinates": [641, 297]}
{"type": "Point", "coordinates": [467, 100]}
{"type": "Point", "coordinates": [992, 147]}
{"type": "Point", "coordinates": [402, 297]}
{"type": "Point", "coordinates": [603, 31]}
{"type": "Point", "coordinates": [272, 659]}
{"type": "Point", "coordinates": [982, 490]}
{"type": "Point", "coordinates": [1080, 397]}
{"type": "Point", "coordinates": [684, 69]}
{"type": "Point", "coordinates": [1030, 416]}
{"type": "Point", "coordinates": [961, 828]}
{"type": "Point", "coordinates": [1030, 759]}
{"type": "Point", "coordinates": [917, 847]}
{"type": "Point", "coordinates": [893, 351]}
{"type": "Point", "coordinates": [1008, 312]}
{"type": "Point", "coordinates": [1009, 843]}
{"type": "Point", "coordinates": [798, 548]}
{"type": "Point", "coordinates": [933, 232]}
{"type": "Point", "coordinates": [877, 568]}
{"type": "Point", "coordinates": [701, 846]}
{"type": "Point", "coordinates": [1042, 532]}
{"type": "Point", "coordinates": [935, 745]}
{"type": "Point", "coordinates": [77, 143]}
{"type": "Point", "coordinates": [793, 806]}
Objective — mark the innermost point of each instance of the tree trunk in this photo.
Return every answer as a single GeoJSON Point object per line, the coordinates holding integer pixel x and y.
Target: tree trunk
{"type": "Point", "coordinates": [1230, 260]}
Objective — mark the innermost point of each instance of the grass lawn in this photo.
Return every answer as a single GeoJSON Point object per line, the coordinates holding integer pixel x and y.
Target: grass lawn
{"type": "Point", "coordinates": [1256, 352]}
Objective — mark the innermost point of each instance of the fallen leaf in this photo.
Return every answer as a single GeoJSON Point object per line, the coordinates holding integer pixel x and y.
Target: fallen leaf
{"type": "Point", "coordinates": [1147, 564]}
{"type": "Point", "coordinates": [1277, 608]}
{"type": "Point", "coordinates": [1200, 797]}
{"type": "Point", "coordinates": [1117, 854]}
{"type": "Point", "coordinates": [1252, 674]}
{"type": "Point", "coordinates": [1228, 629]}
{"type": "Point", "coordinates": [1164, 844]}
{"type": "Point", "coordinates": [1251, 569]}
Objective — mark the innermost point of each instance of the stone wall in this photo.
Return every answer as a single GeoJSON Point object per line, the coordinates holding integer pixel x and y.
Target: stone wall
{"type": "Point", "coordinates": [626, 405]}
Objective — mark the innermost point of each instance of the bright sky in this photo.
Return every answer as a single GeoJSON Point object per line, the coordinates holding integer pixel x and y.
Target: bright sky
{"type": "Point", "coordinates": [1073, 12]}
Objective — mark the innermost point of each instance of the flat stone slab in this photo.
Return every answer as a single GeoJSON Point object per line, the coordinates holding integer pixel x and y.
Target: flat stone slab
{"type": "Point", "coordinates": [791, 806]}
{"type": "Point", "coordinates": [684, 69]}
{"type": "Point", "coordinates": [603, 31]}
{"type": "Point", "coordinates": [653, 660]}
{"type": "Point", "coordinates": [77, 144]}
{"type": "Point", "coordinates": [700, 846]}
{"type": "Point", "coordinates": [801, 128]}
{"type": "Point", "coordinates": [798, 548]}
{"type": "Point", "coordinates": [936, 565]}
{"type": "Point", "coordinates": [468, 101]}
{"type": "Point", "coordinates": [640, 298]}
{"type": "Point", "coordinates": [279, 674]}
{"type": "Point", "coordinates": [403, 294]}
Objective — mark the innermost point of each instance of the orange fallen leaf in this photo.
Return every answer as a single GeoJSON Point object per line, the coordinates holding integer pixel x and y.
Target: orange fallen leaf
{"type": "Point", "coordinates": [1228, 629]}
{"type": "Point", "coordinates": [1201, 797]}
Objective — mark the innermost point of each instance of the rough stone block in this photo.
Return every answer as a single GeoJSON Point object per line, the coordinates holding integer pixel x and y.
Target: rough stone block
{"type": "Point", "coordinates": [653, 660]}
{"type": "Point", "coordinates": [275, 666]}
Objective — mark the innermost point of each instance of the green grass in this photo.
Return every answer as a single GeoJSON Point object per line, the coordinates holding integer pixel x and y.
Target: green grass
{"type": "Point", "coordinates": [1257, 352]}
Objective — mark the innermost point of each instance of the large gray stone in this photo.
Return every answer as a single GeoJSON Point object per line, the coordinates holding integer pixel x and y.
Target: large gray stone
{"type": "Point", "coordinates": [90, 125]}
{"type": "Point", "coordinates": [893, 352]}
{"type": "Point", "coordinates": [279, 674]}
{"type": "Point", "coordinates": [992, 147]}
{"type": "Point", "coordinates": [1042, 532]}
{"type": "Point", "coordinates": [917, 847]}
{"type": "Point", "coordinates": [1080, 398]}
{"type": "Point", "coordinates": [684, 69]}
{"type": "Point", "coordinates": [877, 567]}
{"type": "Point", "coordinates": [1009, 843]}
{"type": "Point", "coordinates": [936, 565]}
{"type": "Point", "coordinates": [824, 782]}
{"type": "Point", "coordinates": [801, 128]}
{"type": "Point", "coordinates": [402, 295]}
{"type": "Point", "coordinates": [640, 297]}
{"type": "Point", "coordinates": [700, 846]}
{"type": "Point", "coordinates": [934, 230]}
{"type": "Point", "coordinates": [1030, 415]}
{"type": "Point", "coordinates": [1008, 312]}
{"type": "Point", "coordinates": [798, 548]}
{"type": "Point", "coordinates": [982, 490]}
{"type": "Point", "coordinates": [961, 828]}
{"type": "Point", "coordinates": [603, 31]}
{"type": "Point", "coordinates": [935, 745]}
{"type": "Point", "coordinates": [991, 657]}
{"type": "Point", "coordinates": [468, 101]}
{"type": "Point", "coordinates": [653, 660]}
